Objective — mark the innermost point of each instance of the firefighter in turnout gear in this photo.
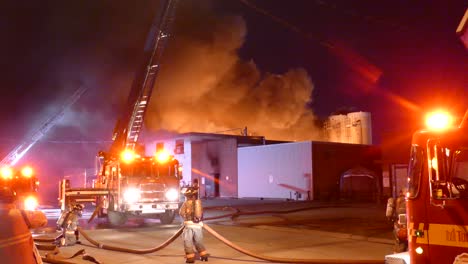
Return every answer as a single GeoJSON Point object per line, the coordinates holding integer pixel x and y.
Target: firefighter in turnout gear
{"type": "Point", "coordinates": [16, 241]}
{"type": "Point", "coordinates": [192, 213]}
{"type": "Point", "coordinates": [396, 213]}
{"type": "Point", "coordinates": [68, 224]}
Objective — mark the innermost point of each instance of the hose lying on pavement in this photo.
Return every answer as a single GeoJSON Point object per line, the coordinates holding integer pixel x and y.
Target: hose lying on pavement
{"type": "Point", "coordinates": [286, 260]}
{"type": "Point", "coordinates": [129, 250]}
{"type": "Point", "coordinates": [239, 212]}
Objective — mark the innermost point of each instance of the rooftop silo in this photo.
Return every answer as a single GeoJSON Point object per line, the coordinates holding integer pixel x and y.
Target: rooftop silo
{"type": "Point", "coordinates": [360, 128]}
{"type": "Point", "coordinates": [337, 128]}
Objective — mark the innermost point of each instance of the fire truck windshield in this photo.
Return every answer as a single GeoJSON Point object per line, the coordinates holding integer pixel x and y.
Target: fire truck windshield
{"type": "Point", "coordinates": [147, 169]}
{"type": "Point", "coordinates": [414, 171]}
{"type": "Point", "coordinates": [448, 171]}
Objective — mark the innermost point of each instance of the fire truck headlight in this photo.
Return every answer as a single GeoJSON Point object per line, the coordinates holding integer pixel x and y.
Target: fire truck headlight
{"type": "Point", "coordinates": [172, 195]}
{"type": "Point", "coordinates": [131, 195]}
{"type": "Point", "coordinates": [30, 203]}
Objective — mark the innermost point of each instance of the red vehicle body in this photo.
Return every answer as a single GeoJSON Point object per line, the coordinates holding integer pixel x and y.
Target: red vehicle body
{"type": "Point", "coordinates": [437, 198]}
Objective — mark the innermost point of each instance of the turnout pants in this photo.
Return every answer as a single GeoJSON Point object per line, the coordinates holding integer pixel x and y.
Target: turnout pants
{"type": "Point", "coordinates": [193, 237]}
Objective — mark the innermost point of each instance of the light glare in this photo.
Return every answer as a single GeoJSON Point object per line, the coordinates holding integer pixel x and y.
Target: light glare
{"type": "Point", "coordinates": [162, 156]}
{"type": "Point", "coordinates": [438, 120]}
{"type": "Point", "coordinates": [6, 172]}
{"type": "Point", "coordinates": [30, 203]}
{"type": "Point", "coordinates": [27, 172]}
{"type": "Point", "coordinates": [127, 156]}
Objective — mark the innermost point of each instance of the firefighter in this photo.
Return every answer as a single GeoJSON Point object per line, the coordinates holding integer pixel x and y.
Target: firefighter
{"type": "Point", "coordinates": [68, 224]}
{"type": "Point", "coordinates": [16, 241]}
{"type": "Point", "coordinates": [191, 212]}
{"type": "Point", "coordinates": [400, 230]}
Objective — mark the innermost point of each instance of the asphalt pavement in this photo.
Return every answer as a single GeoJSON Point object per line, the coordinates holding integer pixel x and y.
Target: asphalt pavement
{"type": "Point", "coordinates": [282, 228]}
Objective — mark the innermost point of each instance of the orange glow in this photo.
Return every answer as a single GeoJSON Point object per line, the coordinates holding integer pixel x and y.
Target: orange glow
{"type": "Point", "coordinates": [27, 172]}
{"type": "Point", "coordinates": [6, 172]}
{"type": "Point", "coordinates": [439, 120]}
{"type": "Point", "coordinates": [127, 156]}
{"type": "Point", "coordinates": [162, 156]}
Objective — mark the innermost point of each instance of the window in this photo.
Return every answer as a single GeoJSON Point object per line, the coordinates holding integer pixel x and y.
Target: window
{"type": "Point", "coordinates": [179, 146]}
{"type": "Point", "coordinates": [415, 170]}
{"type": "Point", "coordinates": [448, 168]}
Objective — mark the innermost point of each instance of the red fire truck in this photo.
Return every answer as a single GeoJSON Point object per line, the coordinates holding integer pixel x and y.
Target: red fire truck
{"type": "Point", "coordinates": [21, 184]}
{"type": "Point", "coordinates": [437, 197]}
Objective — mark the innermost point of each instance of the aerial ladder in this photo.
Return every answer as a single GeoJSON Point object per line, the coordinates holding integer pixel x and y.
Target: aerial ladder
{"type": "Point", "coordinates": [130, 125]}
{"type": "Point", "coordinates": [128, 183]}
{"type": "Point", "coordinates": [19, 151]}
{"type": "Point", "coordinates": [23, 182]}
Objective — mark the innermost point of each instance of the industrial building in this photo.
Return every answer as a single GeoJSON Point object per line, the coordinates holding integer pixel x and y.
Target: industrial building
{"type": "Point", "coordinates": [243, 166]}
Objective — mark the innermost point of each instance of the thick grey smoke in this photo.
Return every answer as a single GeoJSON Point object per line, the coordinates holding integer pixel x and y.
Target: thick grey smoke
{"type": "Point", "coordinates": [204, 86]}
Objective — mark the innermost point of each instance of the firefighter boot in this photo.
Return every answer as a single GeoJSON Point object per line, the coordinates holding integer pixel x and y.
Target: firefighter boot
{"type": "Point", "coordinates": [190, 260]}
{"type": "Point", "coordinates": [204, 257]}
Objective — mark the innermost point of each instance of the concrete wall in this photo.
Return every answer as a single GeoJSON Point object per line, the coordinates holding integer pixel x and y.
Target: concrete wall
{"type": "Point", "coordinates": [275, 171]}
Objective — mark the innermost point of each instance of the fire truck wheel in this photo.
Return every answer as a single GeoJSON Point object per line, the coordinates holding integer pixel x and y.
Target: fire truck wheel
{"type": "Point", "coordinates": [167, 218]}
{"type": "Point", "coordinates": [116, 218]}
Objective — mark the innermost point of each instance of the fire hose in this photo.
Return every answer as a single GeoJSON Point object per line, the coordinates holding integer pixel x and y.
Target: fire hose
{"type": "Point", "coordinates": [128, 250]}
{"type": "Point", "coordinates": [284, 260]}
{"type": "Point", "coordinates": [225, 241]}
{"type": "Point", "coordinates": [230, 244]}
{"type": "Point", "coordinates": [239, 213]}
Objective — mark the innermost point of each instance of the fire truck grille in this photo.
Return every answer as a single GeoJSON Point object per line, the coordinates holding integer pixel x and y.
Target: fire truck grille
{"type": "Point", "coordinates": [152, 191]}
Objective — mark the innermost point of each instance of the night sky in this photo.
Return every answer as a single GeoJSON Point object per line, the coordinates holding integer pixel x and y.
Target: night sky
{"type": "Point", "coordinates": [278, 67]}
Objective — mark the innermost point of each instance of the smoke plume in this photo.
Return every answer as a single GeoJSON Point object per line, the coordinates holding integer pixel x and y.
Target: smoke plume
{"type": "Point", "coordinates": [204, 86]}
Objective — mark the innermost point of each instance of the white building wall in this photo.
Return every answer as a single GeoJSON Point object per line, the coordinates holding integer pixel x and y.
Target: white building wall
{"type": "Point", "coordinates": [264, 169]}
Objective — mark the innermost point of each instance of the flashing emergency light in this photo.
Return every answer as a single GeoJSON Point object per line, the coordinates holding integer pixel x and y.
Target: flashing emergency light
{"type": "Point", "coordinates": [162, 156]}
{"type": "Point", "coordinates": [27, 172]}
{"type": "Point", "coordinates": [6, 172]}
{"type": "Point", "coordinates": [439, 120]}
{"type": "Point", "coordinates": [127, 156]}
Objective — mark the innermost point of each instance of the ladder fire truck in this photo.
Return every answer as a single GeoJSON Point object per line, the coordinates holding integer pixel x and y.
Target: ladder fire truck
{"type": "Point", "coordinates": [437, 197]}
{"type": "Point", "coordinates": [128, 183]}
{"type": "Point", "coordinates": [22, 182]}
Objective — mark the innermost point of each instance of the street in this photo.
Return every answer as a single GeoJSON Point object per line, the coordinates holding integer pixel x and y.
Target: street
{"type": "Point", "coordinates": [311, 230]}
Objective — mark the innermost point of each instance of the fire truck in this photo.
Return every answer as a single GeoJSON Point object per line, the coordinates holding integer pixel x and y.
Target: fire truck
{"type": "Point", "coordinates": [22, 185]}
{"type": "Point", "coordinates": [128, 183]}
{"type": "Point", "coordinates": [437, 196]}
